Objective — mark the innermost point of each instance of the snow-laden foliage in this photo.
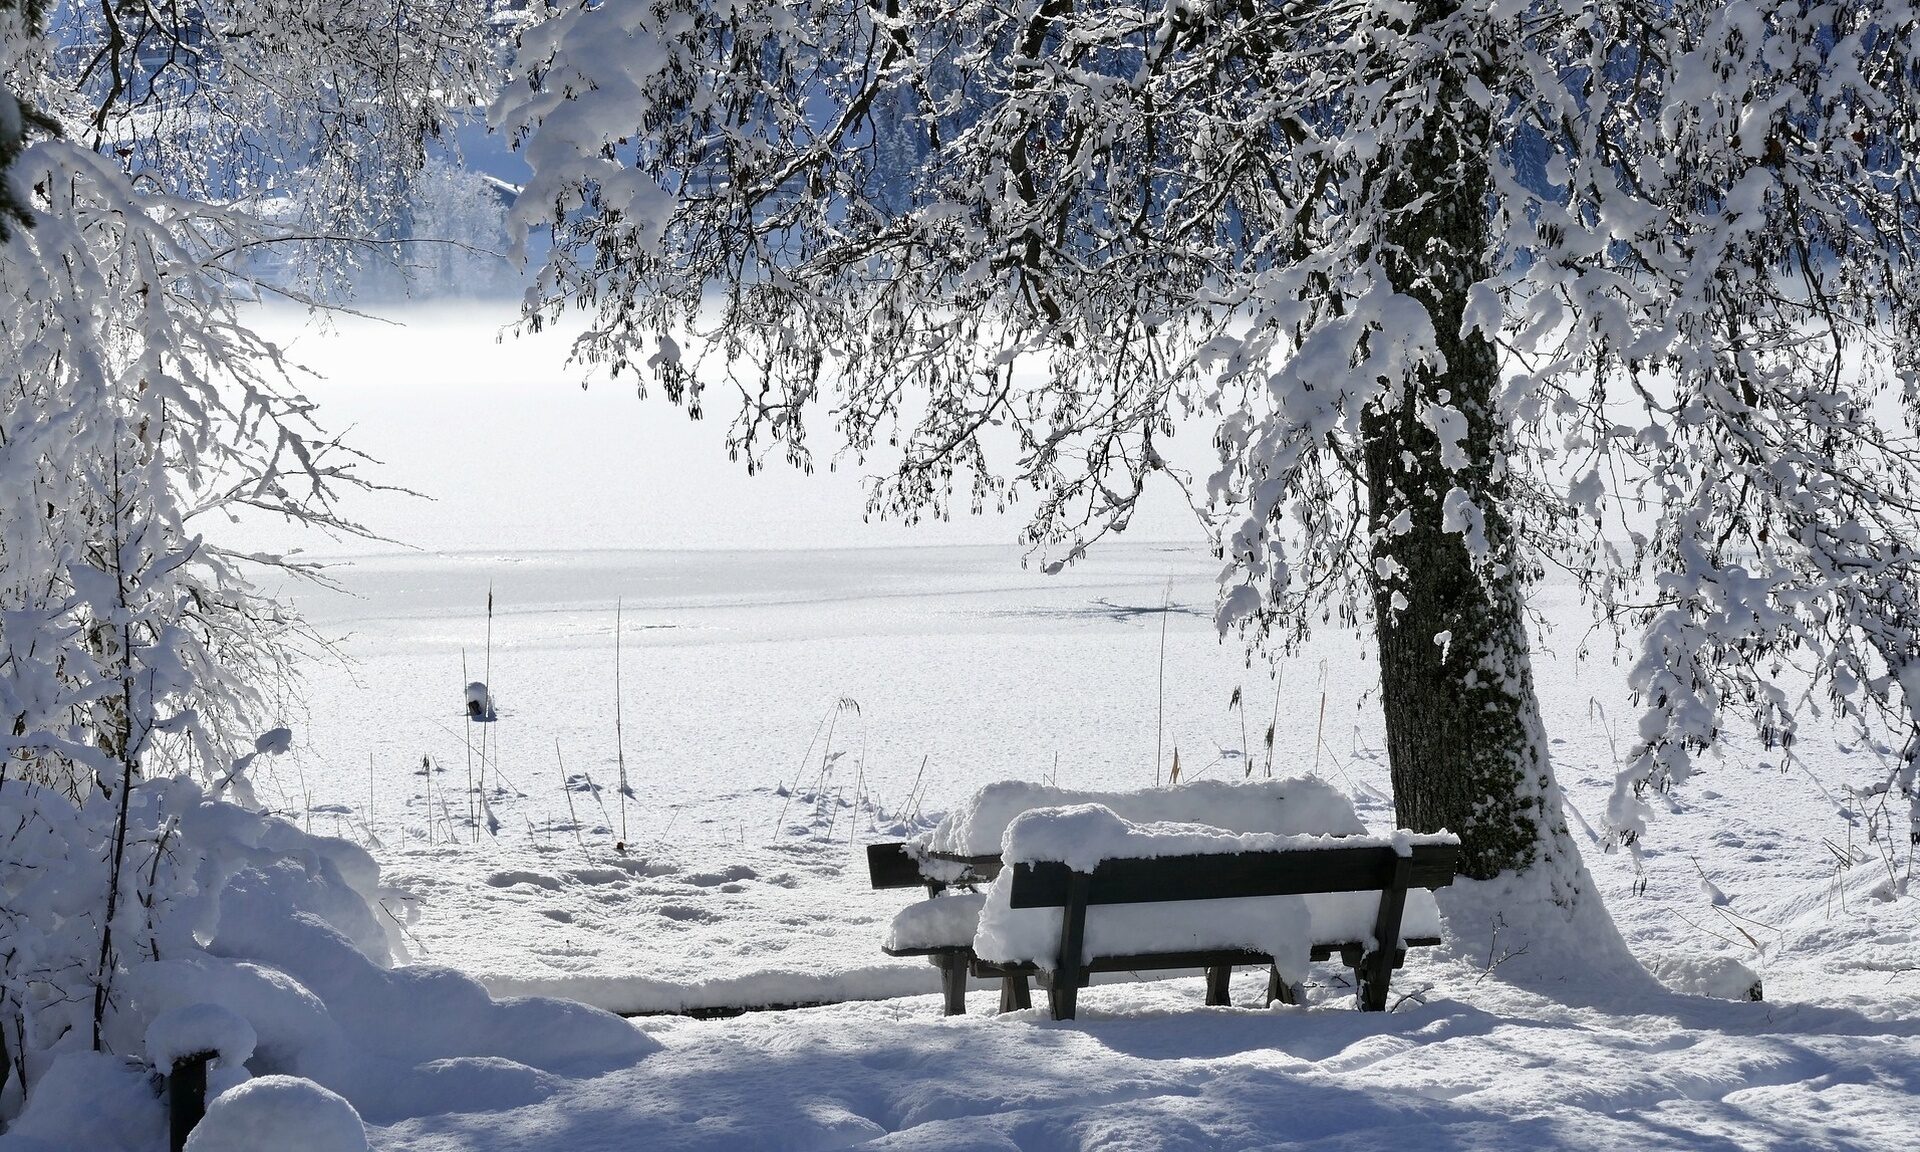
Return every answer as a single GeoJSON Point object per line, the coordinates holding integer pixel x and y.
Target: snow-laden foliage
{"type": "Point", "coordinates": [139, 413]}
{"type": "Point", "coordinates": [1007, 251]}
{"type": "Point", "coordinates": [316, 114]}
{"type": "Point", "coordinates": [20, 21]}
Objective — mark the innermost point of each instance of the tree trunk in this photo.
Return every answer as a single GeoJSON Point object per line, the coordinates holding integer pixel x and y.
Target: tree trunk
{"type": "Point", "coordinates": [1464, 738]}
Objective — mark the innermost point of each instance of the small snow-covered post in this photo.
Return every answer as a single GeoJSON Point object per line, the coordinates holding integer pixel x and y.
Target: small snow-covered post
{"type": "Point", "coordinates": [186, 1097]}
{"type": "Point", "coordinates": [181, 1042]}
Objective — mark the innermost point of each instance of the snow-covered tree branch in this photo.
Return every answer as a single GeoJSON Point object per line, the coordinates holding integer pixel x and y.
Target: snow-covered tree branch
{"type": "Point", "coordinates": [1463, 290]}
{"type": "Point", "coordinates": [148, 152]}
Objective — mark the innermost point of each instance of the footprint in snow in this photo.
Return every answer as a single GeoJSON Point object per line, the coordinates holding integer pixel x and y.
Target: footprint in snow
{"type": "Point", "coordinates": [537, 879]}
{"type": "Point", "coordinates": [730, 875]}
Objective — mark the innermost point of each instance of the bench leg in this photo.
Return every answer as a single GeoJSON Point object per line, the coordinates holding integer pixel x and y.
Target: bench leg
{"type": "Point", "coordinates": [953, 982]}
{"type": "Point", "coordinates": [1371, 980]}
{"type": "Point", "coordinates": [1375, 972]}
{"type": "Point", "coordinates": [1064, 989]}
{"type": "Point", "coordinates": [1013, 992]}
{"type": "Point", "coordinates": [1373, 976]}
{"type": "Point", "coordinates": [1219, 978]}
{"type": "Point", "coordinates": [1282, 991]}
{"type": "Point", "coordinates": [1062, 996]}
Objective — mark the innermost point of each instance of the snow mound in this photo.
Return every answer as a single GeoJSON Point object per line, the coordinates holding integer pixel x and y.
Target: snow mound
{"type": "Point", "coordinates": [1721, 977]}
{"type": "Point", "coordinates": [284, 1113]}
{"type": "Point", "coordinates": [1298, 804]}
{"type": "Point", "coordinates": [274, 960]}
{"type": "Point", "coordinates": [89, 1101]}
{"type": "Point", "coordinates": [391, 1040]}
{"type": "Point", "coordinates": [1513, 928]}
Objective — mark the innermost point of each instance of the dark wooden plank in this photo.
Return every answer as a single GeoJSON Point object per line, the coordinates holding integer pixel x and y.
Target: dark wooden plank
{"type": "Point", "coordinates": [953, 983]}
{"type": "Point", "coordinates": [1376, 970]}
{"type": "Point", "coordinates": [1013, 992]}
{"type": "Point", "coordinates": [1227, 876]}
{"type": "Point", "coordinates": [979, 869]}
{"type": "Point", "coordinates": [1219, 985]}
{"type": "Point", "coordinates": [940, 950]}
{"type": "Point", "coordinates": [1161, 961]}
{"type": "Point", "coordinates": [1068, 966]}
{"type": "Point", "coordinates": [889, 866]}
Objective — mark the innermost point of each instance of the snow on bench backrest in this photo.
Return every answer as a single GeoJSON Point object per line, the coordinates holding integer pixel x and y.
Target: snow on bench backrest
{"type": "Point", "coordinates": [1293, 805]}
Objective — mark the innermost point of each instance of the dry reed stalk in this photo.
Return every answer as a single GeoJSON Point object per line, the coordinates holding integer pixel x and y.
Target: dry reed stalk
{"type": "Point", "coordinates": [1319, 733]}
{"type": "Point", "coordinates": [572, 815]}
{"type": "Point", "coordinates": [487, 673]}
{"type": "Point", "coordinates": [781, 821]}
{"type": "Point", "coordinates": [1160, 714]}
{"type": "Point", "coordinates": [1279, 686]}
{"type": "Point", "coordinates": [464, 689]}
{"type": "Point", "coordinates": [619, 735]}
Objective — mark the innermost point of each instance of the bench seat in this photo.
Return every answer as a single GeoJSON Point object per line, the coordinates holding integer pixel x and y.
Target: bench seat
{"type": "Point", "coordinates": [942, 929]}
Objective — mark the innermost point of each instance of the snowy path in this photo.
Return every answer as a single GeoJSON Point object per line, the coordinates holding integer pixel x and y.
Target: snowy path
{"type": "Point", "coordinates": [1147, 1068]}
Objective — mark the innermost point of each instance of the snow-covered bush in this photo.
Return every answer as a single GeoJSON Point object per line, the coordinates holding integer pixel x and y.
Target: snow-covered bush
{"type": "Point", "coordinates": [245, 936]}
{"type": "Point", "coordinates": [169, 148]}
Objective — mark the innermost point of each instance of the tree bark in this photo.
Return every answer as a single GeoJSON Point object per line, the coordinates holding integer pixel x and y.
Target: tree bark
{"type": "Point", "coordinates": [1464, 738]}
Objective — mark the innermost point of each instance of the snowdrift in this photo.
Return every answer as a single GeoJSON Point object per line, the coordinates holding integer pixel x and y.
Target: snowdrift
{"type": "Point", "coordinates": [242, 935]}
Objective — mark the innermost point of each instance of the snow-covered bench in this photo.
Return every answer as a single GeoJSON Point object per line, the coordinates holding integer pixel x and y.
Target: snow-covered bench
{"type": "Point", "coordinates": [1083, 891]}
{"type": "Point", "coordinates": [1265, 817]}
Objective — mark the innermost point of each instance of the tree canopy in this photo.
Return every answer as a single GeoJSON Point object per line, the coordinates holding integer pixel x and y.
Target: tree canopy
{"type": "Point", "coordinates": [1665, 336]}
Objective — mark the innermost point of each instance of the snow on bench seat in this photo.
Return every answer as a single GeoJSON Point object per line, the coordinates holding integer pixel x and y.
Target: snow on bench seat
{"type": "Point", "coordinates": [944, 922]}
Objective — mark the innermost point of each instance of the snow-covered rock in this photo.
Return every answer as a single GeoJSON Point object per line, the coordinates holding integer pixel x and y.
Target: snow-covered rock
{"type": "Point", "coordinates": [1721, 977]}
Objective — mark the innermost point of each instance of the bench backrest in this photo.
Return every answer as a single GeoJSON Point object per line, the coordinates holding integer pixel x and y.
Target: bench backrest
{"type": "Point", "coordinates": [1369, 868]}
{"type": "Point", "coordinates": [1215, 876]}
{"type": "Point", "coordinates": [890, 866]}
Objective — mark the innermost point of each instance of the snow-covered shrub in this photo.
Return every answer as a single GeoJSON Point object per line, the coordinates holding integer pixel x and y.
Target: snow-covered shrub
{"type": "Point", "coordinates": [139, 657]}
{"type": "Point", "coordinates": [244, 936]}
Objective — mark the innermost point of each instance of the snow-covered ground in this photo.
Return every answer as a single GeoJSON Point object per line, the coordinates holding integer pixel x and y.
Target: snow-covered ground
{"type": "Point", "coordinates": [795, 684]}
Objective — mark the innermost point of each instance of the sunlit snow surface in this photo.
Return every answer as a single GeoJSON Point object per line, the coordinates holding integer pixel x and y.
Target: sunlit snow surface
{"type": "Point", "coordinates": [778, 705]}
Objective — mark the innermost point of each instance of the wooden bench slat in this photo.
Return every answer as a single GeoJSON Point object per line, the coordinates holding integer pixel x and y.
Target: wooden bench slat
{"type": "Point", "coordinates": [890, 866]}
{"type": "Point", "coordinates": [1224, 876]}
{"type": "Point", "coordinates": [978, 868]}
